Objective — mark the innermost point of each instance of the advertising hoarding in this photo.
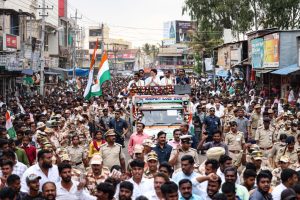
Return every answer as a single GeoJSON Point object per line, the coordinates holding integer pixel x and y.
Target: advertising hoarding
{"type": "Point", "coordinates": [257, 52]}
{"type": "Point", "coordinates": [184, 30]}
{"type": "Point", "coordinates": [169, 35]}
{"type": "Point", "coordinates": [224, 57]}
{"type": "Point", "coordinates": [271, 50]}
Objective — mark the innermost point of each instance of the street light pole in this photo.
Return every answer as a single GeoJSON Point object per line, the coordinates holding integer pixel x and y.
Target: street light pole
{"type": "Point", "coordinates": [42, 58]}
{"type": "Point", "coordinates": [42, 80]}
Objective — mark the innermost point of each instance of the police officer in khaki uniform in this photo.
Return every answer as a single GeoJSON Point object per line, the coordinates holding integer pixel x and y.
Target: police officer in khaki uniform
{"type": "Point", "coordinates": [275, 149]}
{"type": "Point", "coordinates": [76, 174]}
{"type": "Point", "coordinates": [111, 152]}
{"type": "Point", "coordinates": [280, 121]}
{"type": "Point", "coordinates": [152, 165]}
{"type": "Point", "coordinates": [264, 137]}
{"type": "Point", "coordinates": [235, 141]}
{"type": "Point", "coordinates": [183, 149]}
{"type": "Point", "coordinates": [77, 153]}
{"type": "Point", "coordinates": [228, 117]}
{"type": "Point", "coordinates": [283, 164]}
{"type": "Point", "coordinates": [257, 159]}
{"type": "Point", "coordinates": [271, 117]}
{"type": "Point", "coordinates": [286, 129]}
{"type": "Point", "coordinates": [289, 150]}
{"type": "Point", "coordinates": [254, 118]}
{"type": "Point", "coordinates": [296, 166]}
{"type": "Point", "coordinates": [97, 174]}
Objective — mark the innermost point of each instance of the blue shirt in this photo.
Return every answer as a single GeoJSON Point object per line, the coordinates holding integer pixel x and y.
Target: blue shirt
{"type": "Point", "coordinates": [193, 197]}
{"type": "Point", "coordinates": [118, 125]}
{"type": "Point", "coordinates": [192, 177]}
{"type": "Point", "coordinates": [164, 153]}
{"type": "Point", "coordinates": [182, 81]}
{"type": "Point", "coordinates": [212, 124]}
{"type": "Point", "coordinates": [257, 195]}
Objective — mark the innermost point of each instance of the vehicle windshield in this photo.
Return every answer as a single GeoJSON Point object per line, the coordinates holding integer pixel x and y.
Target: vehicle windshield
{"type": "Point", "coordinates": [162, 117]}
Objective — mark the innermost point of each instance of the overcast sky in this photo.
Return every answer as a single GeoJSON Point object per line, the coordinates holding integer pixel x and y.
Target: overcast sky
{"type": "Point", "coordinates": [138, 21]}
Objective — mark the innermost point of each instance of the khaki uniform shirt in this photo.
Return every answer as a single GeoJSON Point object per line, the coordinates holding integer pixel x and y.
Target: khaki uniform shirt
{"type": "Point", "coordinates": [264, 137]}
{"type": "Point", "coordinates": [92, 181]}
{"type": "Point", "coordinates": [261, 123]}
{"type": "Point", "coordinates": [276, 180]}
{"type": "Point", "coordinates": [283, 131]}
{"type": "Point", "coordinates": [75, 174]}
{"type": "Point", "coordinates": [228, 118]}
{"type": "Point", "coordinates": [254, 120]}
{"type": "Point", "coordinates": [295, 166]}
{"type": "Point", "coordinates": [234, 141]}
{"type": "Point", "coordinates": [111, 155]}
{"type": "Point", "coordinates": [190, 151]}
{"type": "Point", "coordinates": [275, 149]}
{"type": "Point", "coordinates": [291, 133]}
{"type": "Point", "coordinates": [280, 124]}
{"type": "Point", "coordinates": [292, 155]}
{"type": "Point", "coordinates": [76, 153]}
{"type": "Point", "coordinates": [148, 174]}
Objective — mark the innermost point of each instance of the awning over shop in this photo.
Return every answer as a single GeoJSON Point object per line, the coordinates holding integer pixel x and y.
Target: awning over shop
{"type": "Point", "coordinates": [169, 55]}
{"type": "Point", "coordinates": [287, 70]}
{"type": "Point", "coordinates": [79, 72]}
{"type": "Point", "coordinates": [27, 72]}
{"type": "Point", "coordinates": [222, 73]}
{"type": "Point", "coordinates": [51, 73]}
{"type": "Point", "coordinates": [263, 71]}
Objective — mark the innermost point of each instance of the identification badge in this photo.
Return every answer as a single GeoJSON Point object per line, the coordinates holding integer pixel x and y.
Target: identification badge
{"type": "Point", "coordinates": [238, 139]}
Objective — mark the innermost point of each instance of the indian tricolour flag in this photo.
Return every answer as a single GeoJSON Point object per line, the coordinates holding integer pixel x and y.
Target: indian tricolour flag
{"type": "Point", "coordinates": [191, 125]}
{"type": "Point", "coordinates": [9, 126]}
{"type": "Point", "coordinates": [87, 92]}
{"type": "Point", "coordinates": [103, 75]}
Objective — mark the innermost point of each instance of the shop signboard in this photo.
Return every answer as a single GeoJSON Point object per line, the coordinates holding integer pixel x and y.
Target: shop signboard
{"type": "Point", "coordinates": [122, 56]}
{"type": "Point", "coordinates": [257, 53]}
{"type": "Point", "coordinates": [224, 57]}
{"type": "Point", "coordinates": [208, 64]}
{"type": "Point", "coordinates": [11, 41]}
{"type": "Point", "coordinates": [236, 54]}
{"type": "Point", "coordinates": [271, 50]}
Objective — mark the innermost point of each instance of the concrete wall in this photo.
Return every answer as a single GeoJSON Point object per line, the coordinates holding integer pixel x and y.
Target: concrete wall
{"type": "Point", "coordinates": [288, 48]}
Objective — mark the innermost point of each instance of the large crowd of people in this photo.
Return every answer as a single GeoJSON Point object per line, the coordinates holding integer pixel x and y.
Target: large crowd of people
{"type": "Point", "coordinates": [243, 144]}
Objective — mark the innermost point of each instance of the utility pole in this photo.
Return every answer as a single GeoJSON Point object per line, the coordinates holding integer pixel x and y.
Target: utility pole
{"type": "Point", "coordinates": [74, 42]}
{"type": "Point", "coordinates": [42, 58]}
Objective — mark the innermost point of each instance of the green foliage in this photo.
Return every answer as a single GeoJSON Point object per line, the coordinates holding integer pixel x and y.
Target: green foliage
{"type": "Point", "coordinates": [283, 14]}
{"type": "Point", "coordinates": [147, 49]}
{"type": "Point", "coordinates": [150, 50]}
{"type": "Point", "coordinates": [242, 15]}
{"type": "Point", "coordinates": [213, 16]}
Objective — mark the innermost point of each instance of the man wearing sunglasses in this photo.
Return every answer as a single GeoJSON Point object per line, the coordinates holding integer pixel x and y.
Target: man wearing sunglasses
{"type": "Point", "coordinates": [211, 124]}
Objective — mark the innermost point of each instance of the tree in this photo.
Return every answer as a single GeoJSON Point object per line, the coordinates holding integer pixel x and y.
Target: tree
{"type": "Point", "coordinates": [221, 14]}
{"type": "Point", "coordinates": [147, 49]}
{"type": "Point", "coordinates": [241, 15]}
{"type": "Point", "coordinates": [281, 14]}
{"type": "Point", "coordinates": [150, 50]}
